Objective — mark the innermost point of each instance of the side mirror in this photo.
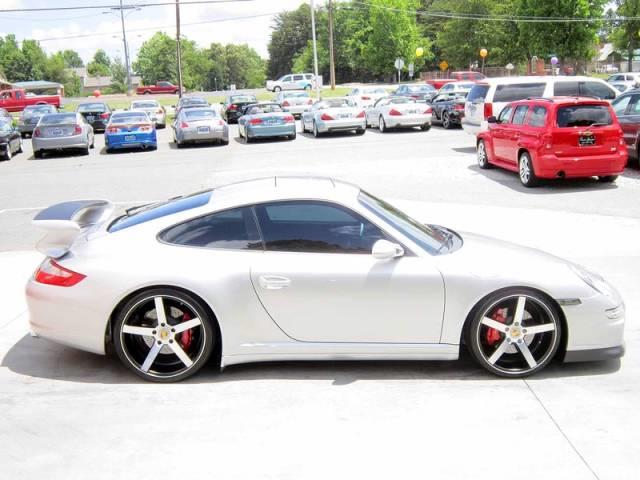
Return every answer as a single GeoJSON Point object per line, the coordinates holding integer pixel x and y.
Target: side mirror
{"type": "Point", "coordinates": [384, 250]}
{"type": "Point", "coordinates": [492, 119]}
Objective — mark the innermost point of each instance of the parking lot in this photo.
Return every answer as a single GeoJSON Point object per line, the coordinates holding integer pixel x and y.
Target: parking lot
{"type": "Point", "coordinates": [323, 420]}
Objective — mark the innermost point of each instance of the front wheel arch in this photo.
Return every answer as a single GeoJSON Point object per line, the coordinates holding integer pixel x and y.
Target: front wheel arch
{"type": "Point", "coordinates": [562, 349]}
{"type": "Point", "coordinates": [108, 337]}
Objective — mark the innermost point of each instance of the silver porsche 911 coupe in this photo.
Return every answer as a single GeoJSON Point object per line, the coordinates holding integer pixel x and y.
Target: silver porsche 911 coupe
{"type": "Point", "coordinates": [300, 268]}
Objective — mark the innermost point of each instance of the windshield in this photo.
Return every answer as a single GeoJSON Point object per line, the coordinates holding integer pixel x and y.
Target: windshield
{"type": "Point", "coordinates": [145, 105]}
{"type": "Point", "coordinates": [129, 117]}
{"type": "Point", "coordinates": [421, 89]}
{"type": "Point", "coordinates": [58, 119]}
{"type": "Point", "coordinates": [200, 114]}
{"type": "Point", "coordinates": [431, 239]}
{"type": "Point", "coordinates": [402, 100]}
{"type": "Point", "coordinates": [5, 126]}
{"type": "Point", "coordinates": [267, 108]}
{"type": "Point", "coordinates": [193, 101]}
{"type": "Point", "coordinates": [295, 95]}
{"type": "Point", "coordinates": [91, 107]}
{"type": "Point", "coordinates": [335, 103]}
{"type": "Point", "coordinates": [583, 116]}
{"type": "Point", "coordinates": [243, 99]}
{"type": "Point", "coordinates": [37, 110]}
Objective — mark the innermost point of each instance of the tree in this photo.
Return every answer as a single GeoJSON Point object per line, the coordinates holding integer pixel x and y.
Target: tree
{"type": "Point", "coordinates": [568, 41]}
{"type": "Point", "coordinates": [625, 35]}
{"type": "Point", "coordinates": [36, 60]}
{"type": "Point", "coordinates": [290, 35]}
{"type": "Point", "coordinates": [100, 65]}
{"type": "Point", "coordinates": [12, 60]}
{"type": "Point", "coordinates": [72, 59]}
{"type": "Point", "coordinates": [394, 33]}
{"type": "Point", "coordinates": [118, 76]}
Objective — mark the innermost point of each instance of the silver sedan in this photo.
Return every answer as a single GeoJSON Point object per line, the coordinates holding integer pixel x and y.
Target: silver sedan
{"type": "Point", "coordinates": [153, 109]}
{"type": "Point", "coordinates": [399, 112]}
{"type": "Point", "coordinates": [294, 102]}
{"type": "Point", "coordinates": [334, 115]}
{"type": "Point", "coordinates": [296, 268]}
{"type": "Point", "coordinates": [62, 131]}
{"type": "Point", "coordinates": [199, 125]}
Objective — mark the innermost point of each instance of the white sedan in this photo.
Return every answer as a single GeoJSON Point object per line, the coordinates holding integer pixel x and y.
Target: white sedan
{"type": "Point", "coordinates": [367, 96]}
{"type": "Point", "coordinates": [296, 268]}
{"type": "Point", "coordinates": [334, 115]}
{"type": "Point", "coordinates": [156, 112]}
{"type": "Point", "coordinates": [398, 112]}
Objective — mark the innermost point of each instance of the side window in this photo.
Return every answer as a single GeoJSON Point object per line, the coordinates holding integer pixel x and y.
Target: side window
{"type": "Point", "coordinates": [566, 89]}
{"type": "Point", "coordinates": [287, 78]}
{"type": "Point", "coordinates": [297, 78]}
{"type": "Point", "coordinates": [231, 229]}
{"type": "Point", "coordinates": [620, 104]}
{"type": "Point", "coordinates": [635, 108]}
{"type": "Point", "coordinates": [315, 227]}
{"type": "Point", "coordinates": [520, 114]}
{"type": "Point", "coordinates": [18, 95]}
{"type": "Point", "coordinates": [447, 87]}
{"type": "Point", "coordinates": [596, 89]}
{"type": "Point", "coordinates": [518, 91]}
{"type": "Point", "coordinates": [465, 76]}
{"type": "Point", "coordinates": [538, 117]}
{"type": "Point", "coordinates": [505, 114]}
{"type": "Point", "coordinates": [478, 76]}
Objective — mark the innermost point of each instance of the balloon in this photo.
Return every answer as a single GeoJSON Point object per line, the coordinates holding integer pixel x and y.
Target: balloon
{"type": "Point", "coordinates": [483, 52]}
{"type": "Point", "coordinates": [96, 93]}
{"type": "Point", "coordinates": [554, 60]}
{"type": "Point", "coordinates": [419, 51]}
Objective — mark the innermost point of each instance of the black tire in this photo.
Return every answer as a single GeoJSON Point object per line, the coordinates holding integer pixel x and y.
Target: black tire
{"type": "Point", "coordinates": [147, 92]}
{"type": "Point", "coordinates": [304, 129]}
{"type": "Point", "coordinates": [224, 142]}
{"type": "Point", "coordinates": [446, 121]}
{"type": "Point", "coordinates": [526, 171]}
{"type": "Point", "coordinates": [425, 128]}
{"type": "Point", "coordinates": [316, 133]}
{"type": "Point", "coordinates": [482, 155]}
{"type": "Point", "coordinates": [19, 150]}
{"type": "Point", "coordinates": [85, 151]}
{"type": "Point", "coordinates": [38, 154]}
{"type": "Point", "coordinates": [508, 350]}
{"type": "Point", "coordinates": [8, 154]}
{"type": "Point", "coordinates": [360, 131]}
{"type": "Point", "coordinates": [277, 89]}
{"type": "Point", "coordinates": [157, 349]}
{"type": "Point", "coordinates": [291, 137]}
{"type": "Point", "coordinates": [382, 125]}
{"type": "Point", "coordinates": [608, 178]}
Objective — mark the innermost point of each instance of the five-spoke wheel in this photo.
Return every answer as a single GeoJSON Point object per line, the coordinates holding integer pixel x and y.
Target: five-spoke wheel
{"type": "Point", "coordinates": [163, 335]}
{"type": "Point", "coordinates": [515, 334]}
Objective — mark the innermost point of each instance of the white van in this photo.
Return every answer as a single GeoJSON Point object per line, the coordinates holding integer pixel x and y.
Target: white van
{"type": "Point", "coordinates": [489, 96]}
{"type": "Point", "coordinates": [293, 81]}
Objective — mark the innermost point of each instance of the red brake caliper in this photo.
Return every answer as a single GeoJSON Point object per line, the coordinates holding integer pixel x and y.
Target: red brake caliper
{"type": "Point", "coordinates": [493, 335]}
{"type": "Point", "coordinates": [186, 336]}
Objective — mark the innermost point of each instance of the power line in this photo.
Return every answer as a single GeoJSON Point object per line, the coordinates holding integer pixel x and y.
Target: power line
{"type": "Point", "coordinates": [499, 18]}
{"type": "Point", "coordinates": [102, 7]}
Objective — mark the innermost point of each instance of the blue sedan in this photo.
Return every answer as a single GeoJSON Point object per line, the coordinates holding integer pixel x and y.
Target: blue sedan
{"type": "Point", "coordinates": [130, 130]}
{"type": "Point", "coordinates": [266, 120]}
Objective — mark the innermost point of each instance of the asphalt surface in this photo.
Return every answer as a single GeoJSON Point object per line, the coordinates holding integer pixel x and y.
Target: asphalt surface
{"type": "Point", "coordinates": [68, 414]}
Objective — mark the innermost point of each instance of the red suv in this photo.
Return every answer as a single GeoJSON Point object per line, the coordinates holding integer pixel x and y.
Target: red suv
{"type": "Point", "coordinates": [560, 137]}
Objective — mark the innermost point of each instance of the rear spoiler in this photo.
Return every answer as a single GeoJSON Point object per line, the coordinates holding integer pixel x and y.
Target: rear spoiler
{"type": "Point", "coordinates": [65, 222]}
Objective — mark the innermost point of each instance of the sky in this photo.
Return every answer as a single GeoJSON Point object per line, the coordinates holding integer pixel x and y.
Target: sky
{"type": "Point", "coordinates": [51, 27]}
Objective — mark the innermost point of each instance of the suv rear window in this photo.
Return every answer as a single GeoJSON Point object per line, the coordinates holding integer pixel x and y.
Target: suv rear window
{"type": "Point", "coordinates": [518, 91]}
{"type": "Point", "coordinates": [158, 210]}
{"type": "Point", "coordinates": [477, 93]}
{"type": "Point", "coordinates": [583, 116]}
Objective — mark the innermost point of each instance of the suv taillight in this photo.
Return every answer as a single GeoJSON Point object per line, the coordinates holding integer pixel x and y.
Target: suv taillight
{"type": "Point", "coordinates": [51, 273]}
{"type": "Point", "coordinates": [104, 115]}
{"type": "Point", "coordinates": [488, 110]}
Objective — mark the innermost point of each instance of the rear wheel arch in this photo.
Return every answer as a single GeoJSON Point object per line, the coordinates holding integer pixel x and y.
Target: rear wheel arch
{"type": "Point", "coordinates": [563, 319]}
{"type": "Point", "coordinates": [217, 348]}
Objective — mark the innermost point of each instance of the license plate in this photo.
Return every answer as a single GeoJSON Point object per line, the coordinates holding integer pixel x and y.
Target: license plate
{"type": "Point", "coordinates": [90, 118]}
{"type": "Point", "coordinates": [413, 111]}
{"type": "Point", "coordinates": [344, 115]}
{"type": "Point", "coordinates": [129, 138]}
{"type": "Point", "coordinates": [272, 122]}
{"type": "Point", "coordinates": [587, 139]}
{"type": "Point", "coordinates": [203, 129]}
{"type": "Point", "coordinates": [57, 132]}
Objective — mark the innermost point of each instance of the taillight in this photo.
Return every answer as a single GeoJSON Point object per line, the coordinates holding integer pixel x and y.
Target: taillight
{"type": "Point", "coordinates": [233, 106]}
{"type": "Point", "coordinates": [394, 113]}
{"type": "Point", "coordinates": [220, 122]}
{"type": "Point", "coordinates": [459, 107]}
{"type": "Point", "coordinates": [104, 115]}
{"type": "Point", "coordinates": [77, 130]}
{"type": "Point", "coordinates": [255, 121]}
{"type": "Point", "coordinates": [51, 273]}
{"type": "Point", "coordinates": [488, 110]}
{"type": "Point", "coordinates": [325, 117]}
{"type": "Point", "coordinates": [37, 133]}
{"type": "Point", "coordinates": [289, 119]}
{"type": "Point", "coordinates": [365, 98]}
{"type": "Point", "coordinates": [285, 103]}
{"type": "Point", "coordinates": [184, 125]}
{"type": "Point", "coordinates": [360, 115]}
{"type": "Point", "coordinates": [428, 111]}
{"type": "Point", "coordinates": [113, 129]}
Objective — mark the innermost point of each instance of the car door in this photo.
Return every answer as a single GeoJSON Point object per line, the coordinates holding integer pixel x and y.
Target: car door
{"type": "Point", "coordinates": [512, 134]}
{"type": "Point", "coordinates": [499, 132]}
{"type": "Point", "coordinates": [373, 113]}
{"type": "Point", "coordinates": [319, 282]}
{"type": "Point", "coordinates": [627, 108]}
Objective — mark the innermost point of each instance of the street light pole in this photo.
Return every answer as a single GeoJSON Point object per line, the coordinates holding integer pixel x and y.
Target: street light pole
{"type": "Point", "coordinates": [178, 53]}
{"type": "Point", "coordinates": [315, 48]}
{"type": "Point", "coordinates": [332, 64]}
{"type": "Point", "coordinates": [126, 50]}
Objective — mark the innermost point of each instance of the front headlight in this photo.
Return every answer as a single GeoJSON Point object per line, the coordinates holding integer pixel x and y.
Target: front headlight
{"type": "Point", "coordinates": [594, 280]}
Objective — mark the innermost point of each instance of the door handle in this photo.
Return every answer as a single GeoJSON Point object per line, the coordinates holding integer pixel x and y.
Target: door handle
{"type": "Point", "coordinates": [273, 282]}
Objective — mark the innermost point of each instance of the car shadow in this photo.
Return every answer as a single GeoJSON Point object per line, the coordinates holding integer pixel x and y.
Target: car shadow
{"type": "Point", "coordinates": [464, 149]}
{"type": "Point", "coordinates": [396, 131]}
{"type": "Point", "coordinates": [59, 154]}
{"type": "Point", "coordinates": [258, 141]}
{"type": "Point", "coordinates": [40, 358]}
{"type": "Point", "coordinates": [194, 146]}
{"type": "Point", "coordinates": [122, 151]}
{"type": "Point", "coordinates": [552, 186]}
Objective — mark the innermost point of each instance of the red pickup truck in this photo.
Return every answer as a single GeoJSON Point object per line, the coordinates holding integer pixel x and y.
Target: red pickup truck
{"type": "Point", "coordinates": [159, 87]}
{"type": "Point", "coordinates": [16, 99]}
{"type": "Point", "coordinates": [438, 83]}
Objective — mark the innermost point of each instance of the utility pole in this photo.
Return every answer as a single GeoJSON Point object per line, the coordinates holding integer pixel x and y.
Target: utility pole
{"type": "Point", "coordinates": [178, 53]}
{"type": "Point", "coordinates": [126, 50]}
{"type": "Point", "coordinates": [315, 48]}
{"type": "Point", "coordinates": [332, 64]}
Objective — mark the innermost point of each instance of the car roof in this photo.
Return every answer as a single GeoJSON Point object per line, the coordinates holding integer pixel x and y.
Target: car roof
{"type": "Point", "coordinates": [561, 101]}
{"type": "Point", "coordinates": [535, 79]}
{"type": "Point", "coordinates": [282, 188]}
